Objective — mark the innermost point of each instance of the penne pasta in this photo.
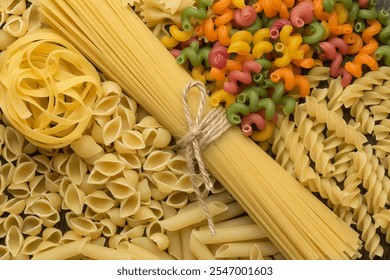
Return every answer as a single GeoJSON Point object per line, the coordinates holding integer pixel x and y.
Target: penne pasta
{"type": "Point", "coordinates": [63, 252]}
{"type": "Point", "coordinates": [199, 249]}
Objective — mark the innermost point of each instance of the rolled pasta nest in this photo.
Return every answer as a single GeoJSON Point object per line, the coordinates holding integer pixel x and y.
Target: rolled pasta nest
{"type": "Point", "coordinates": [89, 168]}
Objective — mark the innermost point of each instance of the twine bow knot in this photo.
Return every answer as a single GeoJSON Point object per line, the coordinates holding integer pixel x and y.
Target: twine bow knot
{"type": "Point", "coordinates": [201, 132]}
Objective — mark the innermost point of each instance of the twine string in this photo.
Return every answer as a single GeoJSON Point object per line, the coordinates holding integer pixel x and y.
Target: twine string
{"type": "Point", "coordinates": [201, 132]}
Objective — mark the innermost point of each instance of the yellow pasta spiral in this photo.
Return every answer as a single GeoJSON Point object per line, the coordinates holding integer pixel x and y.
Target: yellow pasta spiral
{"type": "Point", "coordinates": [47, 89]}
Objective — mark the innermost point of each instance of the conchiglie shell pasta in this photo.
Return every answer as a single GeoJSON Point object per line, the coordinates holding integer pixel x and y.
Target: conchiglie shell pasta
{"type": "Point", "coordinates": [51, 180]}
{"type": "Point", "coordinates": [30, 245]}
{"type": "Point", "coordinates": [165, 181]}
{"type": "Point", "coordinates": [133, 140]}
{"type": "Point", "coordinates": [55, 199]}
{"type": "Point", "coordinates": [110, 88]}
{"type": "Point", "coordinates": [4, 253]}
{"type": "Point", "coordinates": [16, 26]}
{"type": "Point", "coordinates": [147, 121]}
{"type": "Point", "coordinates": [106, 105]}
{"type": "Point", "coordinates": [21, 191]}
{"type": "Point", "coordinates": [131, 161]}
{"type": "Point", "coordinates": [59, 163]}
{"type": "Point", "coordinates": [109, 228]}
{"type": "Point", "coordinates": [43, 163]}
{"type": "Point", "coordinates": [86, 147]}
{"type": "Point", "coordinates": [130, 205]}
{"type": "Point", "coordinates": [128, 102]}
{"type": "Point", "coordinates": [157, 161]}
{"type": "Point", "coordinates": [70, 236]}
{"type": "Point", "coordinates": [13, 140]}
{"type": "Point", "coordinates": [144, 191]}
{"type": "Point", "coordinates": [161, 240]}
{"type": "Point", "coordinates": [41, 208]}
{"type": "Point", "coordinates": [24, 172]}
{"type": "Point", "coordinates": [153, 227]}
{"type": "Point", "coordinates": [3, 200]}
{"type": "Point", "coordinates": [97, 178]}
{"type": "Point", "coordinates": [114, 215]}
{"type": "Point", "coordinates": [155, 206]}
{"type": "Point", "coordinates": [74, 199]}
{"type": "Point", "coordinates": [116, 239]}
{"type": "Point", "coordinates": [149, 135]}
{"type": "Point", "coordinates": [32, 225]}
{"type": "Point", "coordinates": [14, 240]}
{"type": "Point", "coordinates": [177, 199]}
{"type": "Point", "coordinates": [133, 232]}
{"type": "Point", "coordinates": [120, 188]}
{"type": "Point", "coordinates": [144, 214]}
{"type": "Point", "coordinates": [76, 169]}
{"type": "Point", "coordinates": [112, 130]}
{"type": "Point", "coordinates": [52, 234]}
{"type": "Point", "coordinates": [12, 220]}
{"type": "Point", "coordinates": [109, 165]}
{"type": "Point", "coordinates": [127, 116]}
{"type": "Point", "coordinates": [83, 226]}
{"type": "Point", "coordinates": [163, 138]}
{"type": "Point", "coordinates": [3, 18]}
{"type": "Point", "coordinates": [99, 201]}
{"type": "Point", "coordinates": [14, 206]}
{"type": "Point", "coordinates": [6, 39]}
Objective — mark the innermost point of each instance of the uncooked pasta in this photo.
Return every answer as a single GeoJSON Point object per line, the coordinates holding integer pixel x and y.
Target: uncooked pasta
{"type": "Point", "coordinates": [117, 42]}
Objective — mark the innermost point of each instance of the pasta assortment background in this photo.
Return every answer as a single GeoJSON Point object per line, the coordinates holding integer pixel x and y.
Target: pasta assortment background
{"type": "Point", "coordinates": [118, 191]}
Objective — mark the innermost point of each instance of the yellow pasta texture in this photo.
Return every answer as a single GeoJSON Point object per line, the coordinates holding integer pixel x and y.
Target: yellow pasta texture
{"type": "Point", "coordinates": [351, 171]}
{"type": "Point", "coordinates": [48, 89]}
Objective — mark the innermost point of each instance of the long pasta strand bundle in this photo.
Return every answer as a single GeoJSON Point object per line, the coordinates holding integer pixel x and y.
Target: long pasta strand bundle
{"type": "Point", "coordinates": [117, 42]}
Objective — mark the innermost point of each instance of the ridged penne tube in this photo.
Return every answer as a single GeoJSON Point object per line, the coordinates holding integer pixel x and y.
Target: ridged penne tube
{"type": "Point", "coordinates": [174, 248]}
{"type": "Point", "coordinates": [120, 188]}
{"type": "Point", "coordinates": [86, 147]}
{"type": "Point", "coordinates": [32, 225]}
{"type": "Point", "coordinates": [185, 237]}
{"type": "Point", "coordinates": [14, 206]}
{"type": "Point", "coordinates": [243, 249]}
{"type": "Point", "coordinates": [161, 240]}
{"type": "Point", "coordinates": [99, 201]}
{"type": "Point", "coordinates": [97, 252]}
{"type": "Point", "coordinates": [106, 106]}
{"type": "Point", "coordinates": [14, 240]}
{"type": "Point", "coordinates": [224, 197]}
{"type": "Point", "coordinates": [139, 252]}
{"type": "Point", "coordinates": [4, 253]}
{"type": "Point", "coordinates": [74, 199]}
{"type": "Point", "coordinates": [83, 226]}
{"type": "Point", "coordinates": [44, 246]}
{"type": "Point", "coordinates": [149, 245]}
{"type": "Point", "coordinates": [133, 232]}
{"type": "Point", "coordinates": [131, 161]}
{"type": "Point", "coordinates": [157, 161]}
{"type": "Point", "coordinates": [14, 7]}
{"type": "Point", "coordinates": [231, 234]}
{"type": "Point", "coordinates": [199, 249]}
{"type": "Point", "coordinates": [132, 140]}
{"type": "Point", "coordinates": [30, 245]}
{"type": "Point", "coordinates": [63, 252]}
{"type": "Point", "coordinates": [130, 205]}
{"type": "Point", "coordinates": [52, 234]}
{"type": "Point", "coordinates": [109, 165]}
{"type": "Point", "coordinates": [255, 253]}
{"type": "Point", "coordinates": [187, 218]}
{"type": "Point", "coordinates": [177, 199]}
{"type": "Point", "coordinates": [76, 169]}
{"type": "Point", "coordinates": [16, 26]}
{"type": "Point", "coordinates": [21, 190]}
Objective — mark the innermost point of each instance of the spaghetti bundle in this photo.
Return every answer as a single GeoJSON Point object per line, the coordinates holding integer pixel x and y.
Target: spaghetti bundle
{"type": "Point", "coordinates": [118, 43]}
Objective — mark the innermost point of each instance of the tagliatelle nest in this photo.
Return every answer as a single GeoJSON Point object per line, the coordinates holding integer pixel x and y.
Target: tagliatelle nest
{"type": "Point", "coordinates": [48, 89]}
